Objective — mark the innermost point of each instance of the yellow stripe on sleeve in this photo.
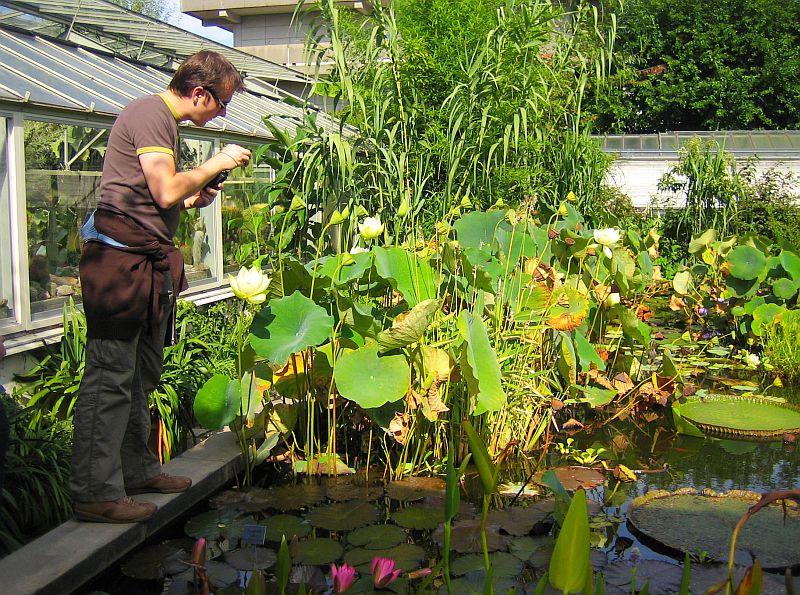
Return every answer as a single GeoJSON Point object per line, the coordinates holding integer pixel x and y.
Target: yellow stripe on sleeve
{"type": "Point", "coordinates": [155, 150]}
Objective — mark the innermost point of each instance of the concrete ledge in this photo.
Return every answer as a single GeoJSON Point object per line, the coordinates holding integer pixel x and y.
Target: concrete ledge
{"type": "Point", "coordinates": [73, 553]}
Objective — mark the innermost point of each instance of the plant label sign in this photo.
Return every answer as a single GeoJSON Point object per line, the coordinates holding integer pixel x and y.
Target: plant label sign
{"type": "Point", "coordinates": [254, 535]}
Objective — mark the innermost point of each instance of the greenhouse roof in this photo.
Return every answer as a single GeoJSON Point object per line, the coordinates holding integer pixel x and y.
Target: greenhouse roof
{"type": "Point", "coordinates": [764, 143]}
{"type": "Point", "coordinates": [108, 26]}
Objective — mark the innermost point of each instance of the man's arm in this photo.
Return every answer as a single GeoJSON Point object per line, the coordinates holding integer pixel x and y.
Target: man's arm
{"type": "Point", "coordinates": [169, 187]}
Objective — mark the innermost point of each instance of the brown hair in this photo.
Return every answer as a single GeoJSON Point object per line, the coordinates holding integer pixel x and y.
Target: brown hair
{"type": "Point", "coordinates": [206, 69]}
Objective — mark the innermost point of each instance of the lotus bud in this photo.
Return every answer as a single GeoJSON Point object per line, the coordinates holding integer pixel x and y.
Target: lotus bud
{"type": "Point", "coordinates": [347, 259]}
{"type": "Point", "coordinates": [466, 202]}
{"type": "Point", "coordinates": [571, 196]}
{"type": "Point", "coordinates": [402, 210]}
{"type": "Point", "coordinates": [442, 228]}
{"type": "Point", "coordinates": [563, 211]}
{"type": "Point", "coordinates": [371, 228]}
{"type": "Point", "coordinates": [298, 204]}
{"type": "Point", "coordinates": [336, 218]}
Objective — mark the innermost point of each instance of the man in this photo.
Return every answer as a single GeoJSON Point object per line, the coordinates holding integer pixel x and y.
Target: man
{"type": "Point", "coordinates": [130, 273]}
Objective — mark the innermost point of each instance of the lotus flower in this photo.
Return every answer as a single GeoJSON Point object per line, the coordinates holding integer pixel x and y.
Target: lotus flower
{"type": "Point", "coordinates": [250, 284]}
{"type": "Point", "coordinates": [383, 572]}
{"type": "Point", "coordinates": [613, 299]}
{"type": "Point", "coordinates": [342, 577]}
{"type": "Point", "coordinates": [752, 360]}
{"type": "Point", "coordinates": [371, 228]}
{"type": "Point", "coordinates": [607, 238]}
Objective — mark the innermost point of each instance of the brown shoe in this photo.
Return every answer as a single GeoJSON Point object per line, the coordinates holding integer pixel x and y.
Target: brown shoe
{"type": "Point", "coordinates": [162, 484]}
{"type": "Point", "coordinates": [124, 510]}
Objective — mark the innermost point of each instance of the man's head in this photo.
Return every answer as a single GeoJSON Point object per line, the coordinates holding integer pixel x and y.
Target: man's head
{"type": "Point", "coordinates": [207, 75]}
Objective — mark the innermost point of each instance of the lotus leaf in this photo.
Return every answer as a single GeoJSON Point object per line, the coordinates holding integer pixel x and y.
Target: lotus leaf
{"type": "Point", "coordinates": [250, 558]}
{"type": "Point", "coordinates": [466, 537]}
{"type": "Point", "coordinates": [406, 556]}
{"type": "Point", "coordinates": [321, 550]}
{"type": "Point", "coordinates": [343, 516]}
{"type": "Point", "coordinates": [371, 380]}
{"type": "Point", "coordinates": [288, 325]}
{"type": "Point", "coordinates": [574, 478]}
{"type": "Point", "coordinates": [681, 282]}
{"type": "Point", "coordinates": [689, 522]}
{"type": "Point", "coordinates": [286, 525]}
{"type": "Point", "coordinates": [478, 228]}
{"type": "Point", "coordinates": [410, 489]}
{"type": "Point", "coordinates": [157, 561]}
{"type": "Point", "coordinates": [740, 416]}
{"type": "Point", "coordinates": [479, 365]}
{"type": "Point", "coordinates": [332, 266]}
{"type": "Point", "coordinates": [295, 497]}
{"type": "Point", "coordinates": [784, 289]}
{"type": "Point", "coordinates": [663, 577]}
{"type": "Point", "coordinates": [742, 288]}
{"type": "Point", "coordinates": [747, 263]}
{"type": "Point", "coordinates": [218, 401]}
{"type": "Point", "coordinates": [700, 242]}
{"type": "Point", "coordinates": [410, 276]}
{"type": "Point", "coordinates": [790, 262]}
{"type": "Point", "coordinates": [765, 314]}
{"type": "Point", "coordinates": [216, 524]}
{"type": "Point", "coordinates": [419, 517]}
{"type": "Point", "coordinates": [408, 327]}
{"type": "Point", "coordinates": [376, 537]}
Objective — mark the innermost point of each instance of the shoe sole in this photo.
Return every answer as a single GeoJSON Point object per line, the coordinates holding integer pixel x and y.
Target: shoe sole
{"type": "Point", "coordinates": [135, 491]}
{"type": "Point", "coordinates": [98, 518]}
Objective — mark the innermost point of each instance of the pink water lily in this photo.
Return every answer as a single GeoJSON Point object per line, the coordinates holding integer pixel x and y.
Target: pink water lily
{"type": "Point", "coordinates": [342, 577]}
{"type": "Point", "coordinates": [384, 572]}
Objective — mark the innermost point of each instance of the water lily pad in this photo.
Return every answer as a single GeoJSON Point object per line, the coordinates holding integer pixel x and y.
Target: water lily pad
{"type": "Point", "coordinates": [503, 564]}
{"type": "Point", "coordinates": [734, 416]}
{"type": "Point", "coordinates": [221, 575]}
{"type": "Point", "coordinates": [473, 584]}
{"type": "Point", "coordinates": [663, 577]}
{"type": "Point", "coordinates": [415, 488]}
{"type": "Point", "coordinates": [343, 516]}
{"type": "Point", "coordinates": [466, 537]}
{"type": "Point", "coordinates": [406, 556]}
{"type": "Point", "coordinates": [419, 517]}
{"type": "Point", "coordinates": [524, 547]}
{"type": "Point", "coordinates": [217, 524]}
{"type": "Point", "coordinates": [321, 550]}
{"type": "Point", "coordinates": [242, 499]}
{"type": "Point", "coordinates": [703, 577]}
{"type": "Point", "coordinates": [157, 561]}
{"type": "Point", "coordinates": [249, 558]}
{"type": "Point", "coordinates": [518, 521]}
{"type": "Point", "coordinates": [295, 497]}
{"type": "Point", "coordinates": [690, 522]}
{"type": "Point", "coordinates": [341, 489]}
{"type": "Point", "coordinates": [575, 478]}
{"type": "Point", "coordinates": [286, 525]}
{"type": "Point", "coordinates": [376, 537]}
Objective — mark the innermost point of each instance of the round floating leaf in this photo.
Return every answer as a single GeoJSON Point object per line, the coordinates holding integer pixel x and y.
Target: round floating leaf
{"type": "Point", "coordinates": [419, 517]}
{"type": "Point", "coordinates": [784, 289]}
{"type": "Point", "coordinates": [473, 584]}
{"type": "Point", "coordinates": [406, 556]}
{"type": "Point", "coordinates": [466, 537]}
{"type": "Point", "coordinates": [288, 325]}
{"type": "Point", "coordinates": [216, 524]}
{"type": "Point", "coordinates": [246, 499]}
{"type": "Point", "coordinates": [525, 547]}
{"type": "Point", "coordinates": [286, 525]}
{"type": "Point", "coordinates": [376, 537]}
{"type": "Point", "coordinates": [663, 577]}
{"type": "Point", "coordinates": [218, 401]}
{"type": "Point", "coordinates": [221, 575]}
{"type": "Point", "coordinates": [157, 561]}
{"type": "Point", "coordinates": [747, 262]}
{"type": "Point", "coordinates": [343, 516]}
{"type": "Point", "coordinates": [371, 380]}
{"type": "Point", "coordinates": [295, 497]}
{"type": "Point", "coordinates": [518, 521]}
{"type": "Point", "coordinates": [765, 314]}
{"type": "Point", "coordinates": [250, 557]}
{"type": "Point", "coordinates": [741, 416]}
{"type": "Point", "coordinates": [690, 522]}
{"type": "Point", "coordinates": [575, 478]}
{"type": "Point", "coordinates": [342, 490]}
{"type": "Point", "coordinates": [704, 577]}
{"type": "Point", "coordinates": [503, 564]}
{"type": "Point", "coordinates": [321, 550]}
{"type": "Point", "coordinates": [415, 488]}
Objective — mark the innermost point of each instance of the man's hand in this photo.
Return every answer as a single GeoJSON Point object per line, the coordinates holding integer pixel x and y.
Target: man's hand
{"type": "Point", "coordinates": [238, 156]}
{"type": "Point", "coordinates": [202, 199]}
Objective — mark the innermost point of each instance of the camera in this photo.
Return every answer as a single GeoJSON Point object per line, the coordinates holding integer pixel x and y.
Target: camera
{"type": "Point", "coordinates": [221, 177]}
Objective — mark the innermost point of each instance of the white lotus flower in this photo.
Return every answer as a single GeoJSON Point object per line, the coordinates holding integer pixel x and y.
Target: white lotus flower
{"type": "Point", "coordinates": [371, 228]}
{"type": "Point", "coordinates": [752, 360]}
{"type": "Point", "coordinates": [612, 299]}
{"type": "Point", "coordinates": [358, 250]}
{"type": "Point", "coordinates": [607, 238]}
{"type": "Point", "coordinates": [250, 284]}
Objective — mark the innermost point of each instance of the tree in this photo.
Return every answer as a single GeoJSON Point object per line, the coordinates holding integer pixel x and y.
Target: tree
{"type": "Point", "coordinates": [712, 65]}
{"type": "Point", "coordinates": [163, 10]}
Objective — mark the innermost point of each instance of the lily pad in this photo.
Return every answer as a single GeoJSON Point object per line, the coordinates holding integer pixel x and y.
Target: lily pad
{"type": "Point", "coordinates": [466, 537]}
{"type": "Point", "coordinates": [473, 584]}
{"type": "Point", "coordinates": [703, 577]}
{"type": "Point", "coordinates": [242, 499]}
{"type": "Point", "coordinates": [371, 380]}
{"type": "Point", "coordinates": [406, 556]}
{"type": "Point", "coordinates": [746, 262]}
{"type": "Point", "coordinates": [575, 478]}
{"type": "Point", "coordinates": [341, 491]}
{"type": "Point", "coordinates": [689, 522]}
{"type": "Point", "coordinates": [525, 547]}
{"type": "Point", "coordinates": [662, 577]}
{"type": "Point", "coordinates": [286, 525]}
{"type": "Point", "coordinates": [376, 537]}
{"type": "Point", "coordinates": [733, 416]}
{"type": "Point", "coordinates": [419, 517]}
{"type": "Point", "coordinates": [518, 521]}
{"type": "Point", "coordinates": [157, 561]}
{"type": "Point", "coordinates": [321, 550]}
{"type": "Point", "coordinates": [217, 524]}
{"type": "Point", "coordinates": [295, 497]}
{"type": "Point", "coordinates": [343, 516]}
{"type": "Point", "coordinates": [503, 564]}
{"type": "Point", "coordinates": [415, 488]}
{"type": "Point", "coordinates": [221, 575]}
{"type": "Point", "coordinates": [250, 558]}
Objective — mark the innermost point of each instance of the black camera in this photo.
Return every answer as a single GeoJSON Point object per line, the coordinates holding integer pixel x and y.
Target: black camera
{"type": "Point", "coordinates": [221, 177]}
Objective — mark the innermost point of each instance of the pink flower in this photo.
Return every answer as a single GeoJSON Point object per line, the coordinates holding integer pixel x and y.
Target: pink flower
{"type": "Point", "coordinates": [342, 577]}
{"type": "Point", "coordinates": [383, 572]}
{"type": "Point", "coordinates": [199, 553]}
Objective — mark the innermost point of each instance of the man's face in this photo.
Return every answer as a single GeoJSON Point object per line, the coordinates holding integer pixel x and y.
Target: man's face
{"type": "Point", "coordinates": [210, 104]}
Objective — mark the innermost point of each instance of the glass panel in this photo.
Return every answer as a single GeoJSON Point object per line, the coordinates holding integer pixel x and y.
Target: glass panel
{"type": "Point", "coordinates": [197, 225]}
{"type": "Point", "coordinates": [246, 224]}
{"type": "Point", "coordinates": [63, 164]}
{"type": "Point", "coordinates": [7, 316]}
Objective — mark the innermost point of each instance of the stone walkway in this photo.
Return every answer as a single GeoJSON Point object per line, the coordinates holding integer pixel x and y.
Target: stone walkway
{"type": "Point", "coordinates": [69, 556]}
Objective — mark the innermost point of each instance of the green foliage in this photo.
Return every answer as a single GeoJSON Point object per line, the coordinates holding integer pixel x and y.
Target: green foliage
{"type": "Point", "coordinates": [781, 343]}
{"type": "Point", "coordinates": [35, 495]}
{"type": "Point", "coordinates": [570, 570]}
{"type": "Point", "coordinates": [717, 65]}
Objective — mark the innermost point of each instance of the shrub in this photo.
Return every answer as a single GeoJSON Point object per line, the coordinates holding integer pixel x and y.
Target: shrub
{"type": "Point", "coordinates": [782, 346]}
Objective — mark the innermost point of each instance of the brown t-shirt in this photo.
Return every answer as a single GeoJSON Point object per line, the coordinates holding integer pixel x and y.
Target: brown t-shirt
{"type": "Point", "coordinates": [146, 125]}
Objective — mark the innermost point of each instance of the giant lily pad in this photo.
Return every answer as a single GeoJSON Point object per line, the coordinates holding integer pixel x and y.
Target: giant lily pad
{"type": "Point", "coordinates": [661, 576]}
{"type": "Point", "coordinates": [734, 416]}
{"type": "Point", "coordinates": [689, 522]}
{"type": "Point", "coordinates": [321, 550]}
{"type": "Point", "coordinates": [519, 521]}
{"type": "Point", "coordinates": [157, 561]}
{"type": "Point", "coordinates": [747, 262]}
{"type": "Point", "coordinates": [372, 380]}
{"type": "Point", "coordinates": [343, 516]}
{"type": "Point", "coordinates": [250, 499]}
{"type": "Point", "coordinates": [466, 537]}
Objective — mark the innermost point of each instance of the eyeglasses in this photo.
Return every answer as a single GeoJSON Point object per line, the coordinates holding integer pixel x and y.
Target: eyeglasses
{"type": "Point", "coordinates": [220, 104]}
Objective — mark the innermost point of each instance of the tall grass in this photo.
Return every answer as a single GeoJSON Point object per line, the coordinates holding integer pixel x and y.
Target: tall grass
{"type": "Point", "coordinates": [782, 346]}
